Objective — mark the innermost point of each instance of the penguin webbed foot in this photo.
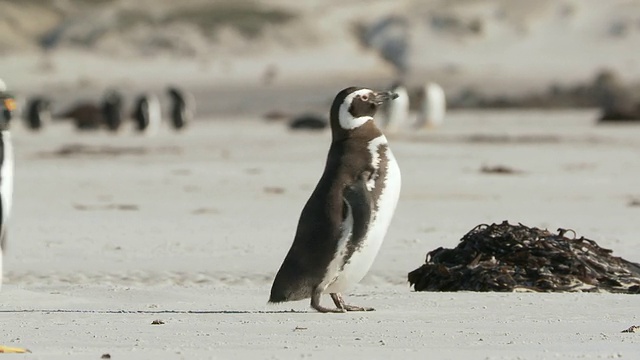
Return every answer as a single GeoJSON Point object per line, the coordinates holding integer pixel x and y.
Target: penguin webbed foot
{"type": "Point", "coordinates": [315, 303]}
{"type": "Point", "coordinates": [339, 301]}
{"type": "Point", "coordinates": [12, 350]}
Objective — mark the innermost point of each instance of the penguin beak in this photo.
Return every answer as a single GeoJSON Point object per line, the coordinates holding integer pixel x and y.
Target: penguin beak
{"type": "Point", "coordinates": [10, 104]}
{"type": "Point", "coordinates": [382, 97]}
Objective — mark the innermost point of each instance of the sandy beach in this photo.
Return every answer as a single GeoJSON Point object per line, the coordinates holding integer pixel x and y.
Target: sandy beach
{"type": "Point", "coordinates": [132, 247]}
{"type": "Point", "coordinates": [112, 232]}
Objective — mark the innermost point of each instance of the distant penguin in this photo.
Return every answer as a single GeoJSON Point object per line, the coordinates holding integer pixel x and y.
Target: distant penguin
{"type": "Point", "coordinates": [7, 106]}
{"type": "Point", "coordinates": [433, 106]}
{"type": "Point", "coordinates": [396, 113]}
{"type": "Point", "coordinates": [344, 222]}
{"type": "Point", "coordinates": [147, 114]}
{"type": "Point", "coordinates": [112, 109]}
{"type": "Point", "coordinates": [7, 109]}
{"type": "Point", "coordinates": [182, 107]}
{"type": "Point", "coordinates": [38, 113]}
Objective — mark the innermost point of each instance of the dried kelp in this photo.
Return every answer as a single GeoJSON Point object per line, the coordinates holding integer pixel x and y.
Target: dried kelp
{"type": "Point", "coordinates": [505, 257]}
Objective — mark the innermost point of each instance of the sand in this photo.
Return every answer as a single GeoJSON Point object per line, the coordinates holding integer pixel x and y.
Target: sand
{"type": "Point", "coordinates": [190, 229]}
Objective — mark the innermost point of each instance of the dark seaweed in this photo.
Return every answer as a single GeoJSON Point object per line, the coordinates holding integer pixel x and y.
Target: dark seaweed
{"type": "Point", "coordinates": [504, 257]}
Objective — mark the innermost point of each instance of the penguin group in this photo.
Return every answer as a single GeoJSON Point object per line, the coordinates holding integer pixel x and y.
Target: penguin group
{"type": "Point", "coordinates": [110, 114]}
{"type": "Point", "coordinates": [429, 101]}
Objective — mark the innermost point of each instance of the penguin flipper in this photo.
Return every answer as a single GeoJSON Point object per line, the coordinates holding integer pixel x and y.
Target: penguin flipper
{"type": "Point", "coordinates": [359, 202]}
{"type": "Point", "coordinates": [304, 266]}
{"type": "Point", "coordinates": [3, 240]}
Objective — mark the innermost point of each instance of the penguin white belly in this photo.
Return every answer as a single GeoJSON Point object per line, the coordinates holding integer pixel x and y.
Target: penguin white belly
{"type": "Point", "coordinates": [434, 106]}
{"type": "Point", "coordinates": [6, 187]}
{"type": "Point", "coordinates": [360, 262]}
{"type": "Point", "coordinates": [6, 179]}
{"type": "Point", "coordinates": [1, 271]}
{"type": "Point", "coordinates": [155, 115]}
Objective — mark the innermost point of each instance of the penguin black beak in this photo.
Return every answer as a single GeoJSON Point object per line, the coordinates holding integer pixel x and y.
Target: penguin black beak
{"type": "Point", "coordinates": [382, 97]}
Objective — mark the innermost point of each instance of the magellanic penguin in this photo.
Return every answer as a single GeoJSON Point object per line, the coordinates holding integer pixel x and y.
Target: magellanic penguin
{"type": "Point", "coordinates": [433, 106]}
{"type": "Point", "coordinates": [112, 109]}
{"type": "Point", "coordinates": [38, 113]}
{"type": "Point", "coordinates": [345, 220]}
{"type": "Point", "coordinates": [147, 114]}
{"type": "Point", "coordinates": [396, 113]}
{"type": "Point", "coordinates": [182, 107]}
{"type": "Point", "coordinates": [7, 106]}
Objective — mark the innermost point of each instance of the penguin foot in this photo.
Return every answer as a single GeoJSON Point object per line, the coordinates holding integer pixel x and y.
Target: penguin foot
{"type": "Point", "coordinates": [12, 350]}
{"type": "Point", "coordinates": [358, 308]}
{"type": "Point", "coordinates": [339, 301]}
{"type": "Point", "coordinates": [315, 303]}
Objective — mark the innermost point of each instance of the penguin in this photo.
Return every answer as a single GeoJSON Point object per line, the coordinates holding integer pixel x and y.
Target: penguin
{"type": "Point", "coordinates": [112, 105]}
{"type": "Point", "coordinates": [182, 107]}
{"type": "Point", "coordinates": [433, 106]}
{"type": "Point", "coordinates": [38, 113]}
{"type": "Point", "coordinates": [396, 113]}
{"type": "Point", "coordinates": [345, 220]}
{"type": "Point", "coordinates": [7, 106]}
{"type": "Point", "coordinates": [147, 114]}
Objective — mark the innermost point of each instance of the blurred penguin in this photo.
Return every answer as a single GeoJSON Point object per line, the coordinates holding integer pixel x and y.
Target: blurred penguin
{"type": "Point", "coordinates": [147, 114]}
{"type": "Point", "coordinates": [433, 106]}
{"type": "Point", "coordinates": [38, 113]}
{"type": "Point", "coordinates": [396, 112]}
{"type": "Point", "coordinates": [182, 107]}
{"type": "Point", "coordinates": [7, 107]}
{"type": "Point", "coordinates": [112, 109]}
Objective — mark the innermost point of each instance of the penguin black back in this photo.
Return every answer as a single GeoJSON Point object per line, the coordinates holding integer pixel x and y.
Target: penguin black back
{"type": "Point", "coordinates": [112, 105]}
{"type": "Point", "coordinates": [141, 112]}
{"type": "Point", "coordinates": [181, 111]}
{"type": "Point", "coordinates": [38, 112]}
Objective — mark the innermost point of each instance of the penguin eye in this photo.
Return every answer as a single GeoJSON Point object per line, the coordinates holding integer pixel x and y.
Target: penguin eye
{"type": "Point", "coordinates": [364, 97]}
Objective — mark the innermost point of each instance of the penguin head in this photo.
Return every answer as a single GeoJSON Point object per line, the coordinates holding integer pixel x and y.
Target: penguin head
{"type": "Point", "coordinates": [7, 107]}
{"type": "Point", "coordinates": [175, 94]}
{"type": "Point", "coordinates": [354, 107]}
{"type": "Point", "coordinates": [112, 97]}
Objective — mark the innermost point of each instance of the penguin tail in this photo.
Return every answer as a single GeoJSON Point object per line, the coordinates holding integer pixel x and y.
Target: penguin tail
{"type": "Point", "coordinates": [288, 290]}
{"type": "Point", "coordinates": [279, 293]}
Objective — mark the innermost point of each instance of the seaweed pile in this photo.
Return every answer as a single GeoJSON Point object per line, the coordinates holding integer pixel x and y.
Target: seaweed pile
{"type": "Point", "coordinates": [504, 257]}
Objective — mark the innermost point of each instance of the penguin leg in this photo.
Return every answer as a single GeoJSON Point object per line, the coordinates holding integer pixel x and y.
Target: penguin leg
{"type": "Point", "coordinates": [339, 301]}
{"type": "Point", "coordinates": [315, 303]}
{"type": "Point", "coordinates": [12, 350]}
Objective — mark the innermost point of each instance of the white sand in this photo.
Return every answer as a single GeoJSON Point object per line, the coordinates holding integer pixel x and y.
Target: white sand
{"type": "Point", "coordinates": [100, 246]}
